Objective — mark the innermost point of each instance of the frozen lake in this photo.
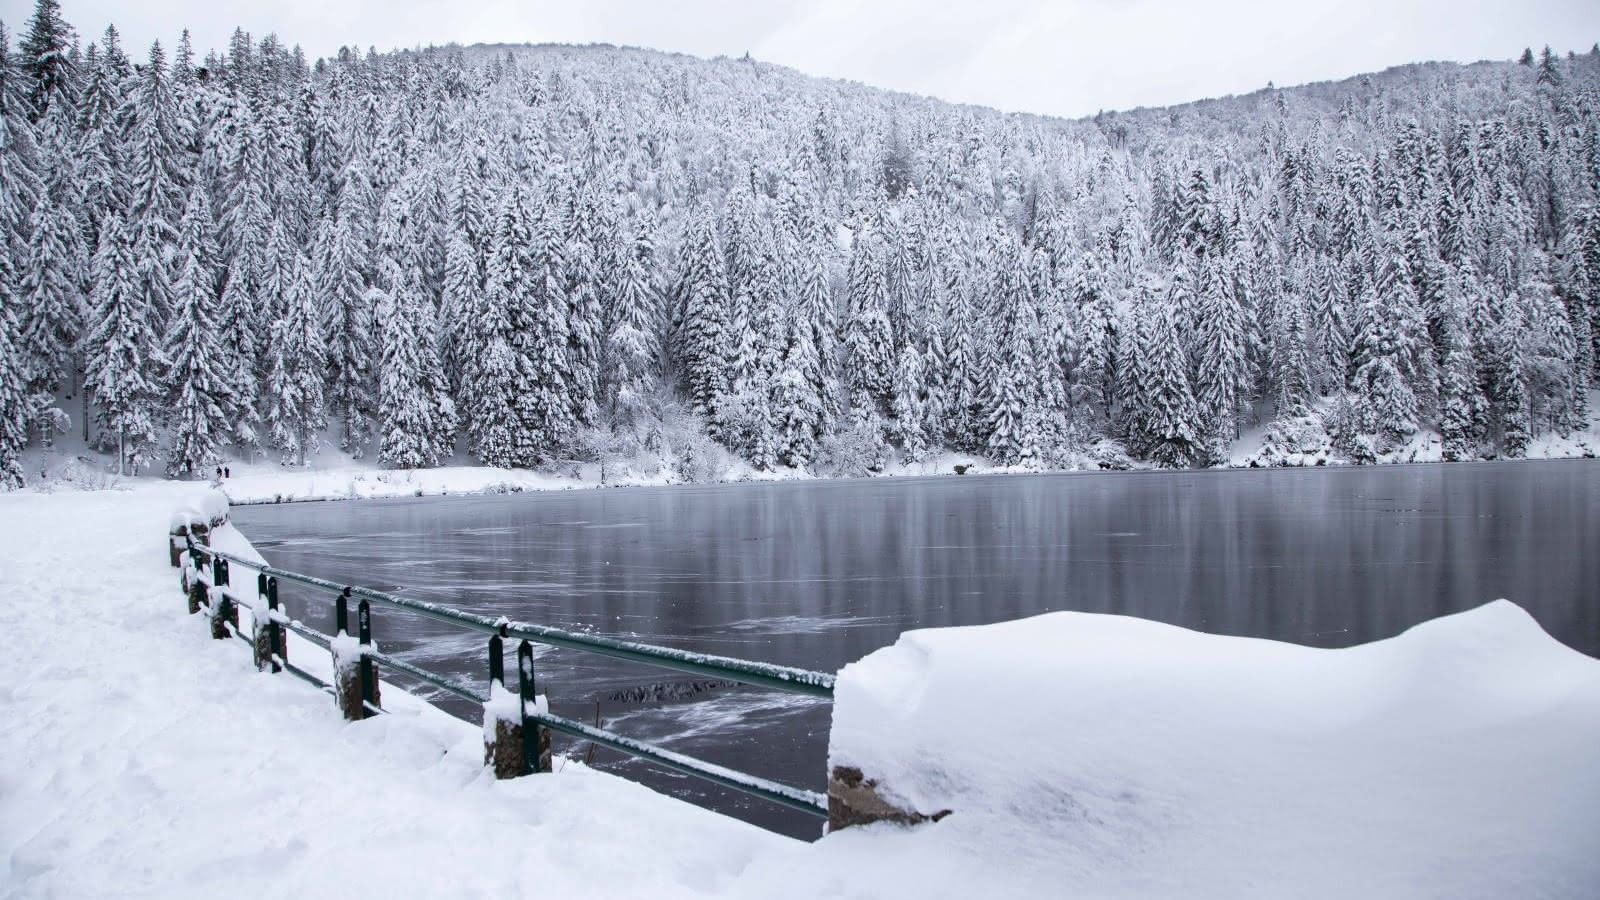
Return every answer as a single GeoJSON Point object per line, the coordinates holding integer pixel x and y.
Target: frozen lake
{"type": "Point", "coordinates": [817, 574]}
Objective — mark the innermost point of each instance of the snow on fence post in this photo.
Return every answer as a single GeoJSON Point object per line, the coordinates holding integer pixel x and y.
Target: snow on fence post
{"type": "Point", "coordinates": [502, 718]}
{"type": "Point", "coordinates": [267, 631]}
{"type": "Point", "coordinates": [535, 750]}
{"type": "Point", "coordinates": [346, 693]}
{"type": "Point", "coordinates": [195, 587]}
{"type": "Point", "coordinates": [193, 524]}
{"type": "Point", "coordinates": [178, 538]}
{"type": "Point", "coordinates": [223, 611]}
{"type": "Point", "coordinates": [355, 677]}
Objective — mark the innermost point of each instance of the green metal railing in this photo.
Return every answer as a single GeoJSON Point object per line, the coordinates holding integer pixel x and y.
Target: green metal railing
{"type": "Point", "coordinates": [758, 674]}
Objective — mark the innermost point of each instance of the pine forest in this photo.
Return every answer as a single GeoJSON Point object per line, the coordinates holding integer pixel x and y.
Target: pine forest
{"type": "Point", "coordinates": [534, 255]}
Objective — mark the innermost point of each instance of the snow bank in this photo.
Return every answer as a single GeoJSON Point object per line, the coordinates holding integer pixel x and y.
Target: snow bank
{"type": "Point", "coordinates": [135, 745]}
{"type": "Point", "coordinates": [199, 507]}
{"type": "Point", "coordinates": [1128, 757]}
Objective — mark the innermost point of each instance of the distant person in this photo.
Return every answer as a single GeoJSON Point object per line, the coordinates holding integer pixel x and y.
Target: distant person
{"type": "Point", "coordinates": [227, 472]}
{"type": "Point", "coordinates": [219, 473]}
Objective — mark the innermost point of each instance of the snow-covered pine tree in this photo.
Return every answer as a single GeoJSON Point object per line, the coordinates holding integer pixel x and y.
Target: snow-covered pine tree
{"type": "Point", "coordinates": [155, 179]}
{"type": "Point", "coordinates": [1291, 363]}
{"type": "Point", "coordinates": [746, 419]}
{"type": "Point", "coordinates": [821, 316]}
{"type": "Point", "coordinates": [121, 358]}
{"type": "Point", "coordinates": [540, 338]}
{"type": "Point", "coordinates": [408, 408]}
{"type": "Point", "coordinates": [100, 146]}
{"type": "Point", "coordinates": [1388, 405]}
{"type": "Point", "coordinates": [585, 234]}
{"type": "Point", "coordinates": [347, 325]}
{"type": "Point", "coordinates": [52, 302]}
{"type": "Point", "coordinates": [868, 344]}
{"type": "Point", "coordinates": [631, 350]}
{"type": "Point", "coordinates": [236, 326]}
{"type": "Point", "coordinates": [294, 397]}
{"type": "Point", "coordinates": [445, 418]}
{"type": "Point", "coordinates": [19, 186]}
{"type": "Point", "coordinates": [1169, 411]}
{"type": "Point", "coordinates": [200, 397]}
{"type": "Point", "coordinates": [1549, 361]}
{"type": "Point", "coordinates": [1220, 370]}
{"type": "Point", "coordinates": [1461, 412]}
{"type": "Point", "coordinates": [704, 354]}
{"type": "Point", "coordinates": [909, 405]}
{"type": "Point", "coordinates": [1013, 392]}
{"type": "Point", "coordinates": [491, 410]}
{"type": "Point", "coordinates": [15, 405]}
{"type": "Point", "coordinates": [1503, 370]}
{"type": "Point", "coordinates": [493, 373]}
{"type": "Point", "coordinates": [45, 58]}
{"type": "Point", "coordinates": [964, 403]}
{"type": "Point", "coordinates": [796, 403]}
{"type": "Point", "coordinates": [1384, 350]}
{"type": "Point", "coordinates": [1094, 376]}
{"type": "Point", "coordinates": [21, 175]}
{"type": "Point", "coordinates": [463, 285]}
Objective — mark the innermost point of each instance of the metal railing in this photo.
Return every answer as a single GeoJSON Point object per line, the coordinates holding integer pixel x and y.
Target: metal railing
{"type": "Point", "coordinates": [219, 590]}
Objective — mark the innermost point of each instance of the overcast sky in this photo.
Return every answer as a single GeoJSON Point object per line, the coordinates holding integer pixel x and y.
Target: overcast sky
{"type": "Point", "coordinates": [1067, 57]}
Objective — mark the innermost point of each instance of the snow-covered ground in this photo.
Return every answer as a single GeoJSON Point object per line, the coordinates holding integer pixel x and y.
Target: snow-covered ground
{"type": "Point", "coordinates": [141, 758]}
{"type": "Point", "coordinates": [1129, 757]}
{"type": "Point", "coordinates": [144, 759]}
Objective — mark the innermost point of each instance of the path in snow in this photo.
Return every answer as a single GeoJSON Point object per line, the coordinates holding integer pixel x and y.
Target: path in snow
{"type": "Point", "coordinates": [144, 759]}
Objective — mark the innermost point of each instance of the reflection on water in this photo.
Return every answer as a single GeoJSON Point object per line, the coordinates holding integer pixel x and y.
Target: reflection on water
{"type": "Point", "coordinates": [818, 574]}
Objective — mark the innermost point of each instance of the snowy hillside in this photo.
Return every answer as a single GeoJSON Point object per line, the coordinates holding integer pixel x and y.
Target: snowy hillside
{"type": "Point", "coordinates": [546, 256]}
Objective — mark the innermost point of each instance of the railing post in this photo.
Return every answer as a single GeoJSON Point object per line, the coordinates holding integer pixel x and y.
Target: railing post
{"type": "Point", "coordinates": [222, 611]}
{"type": "Point", "coordinates": [367, 666]}
{"type": "Point", "coordinates": [502, 733]}
{"type": "Point", "coordinates": [355, 678]}
{"type": "Point", "coordinates": [535, 745]}
{"type": "Point", "coordinates": [341, 613]}
{"type": "Point", "coordinates": [277, 639]}
{"type": "Point", "coordinates": [262, 638]}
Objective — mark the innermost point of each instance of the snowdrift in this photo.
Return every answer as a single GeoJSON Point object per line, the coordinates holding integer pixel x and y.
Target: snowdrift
{"type": "Point", "coordinates": [1121, 756]}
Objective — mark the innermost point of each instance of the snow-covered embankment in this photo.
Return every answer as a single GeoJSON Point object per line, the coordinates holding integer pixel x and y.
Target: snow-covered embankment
{"type": "Point", "coordinates": [1461, 758]}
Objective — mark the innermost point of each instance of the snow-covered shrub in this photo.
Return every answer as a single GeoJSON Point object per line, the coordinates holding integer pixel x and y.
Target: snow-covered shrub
{"type": "Point", "coordinates": [1108, 453]}
{"type": "Point", "coordinates": [855, 450]}
{"type": "Point", "coordinates": [1344, 422]}
{"type": "Point", "coordinates": [79, 473]}
{"type": "Point", "coordinates": [659, 435]}
{"type": "Point", "coordinates": [695, 456]}
{"type": "Point", "coordinates": [1294, 440]}
{"type": "Point", "coordinates": [746, 427]}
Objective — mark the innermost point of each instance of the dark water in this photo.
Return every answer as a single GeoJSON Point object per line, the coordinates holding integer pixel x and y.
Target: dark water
{"type": "Point", "coordinates": [818, 574]}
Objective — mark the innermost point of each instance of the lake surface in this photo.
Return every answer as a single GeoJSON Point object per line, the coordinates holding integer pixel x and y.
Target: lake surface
{"type": "Point", "coordinates": [818, 574]}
